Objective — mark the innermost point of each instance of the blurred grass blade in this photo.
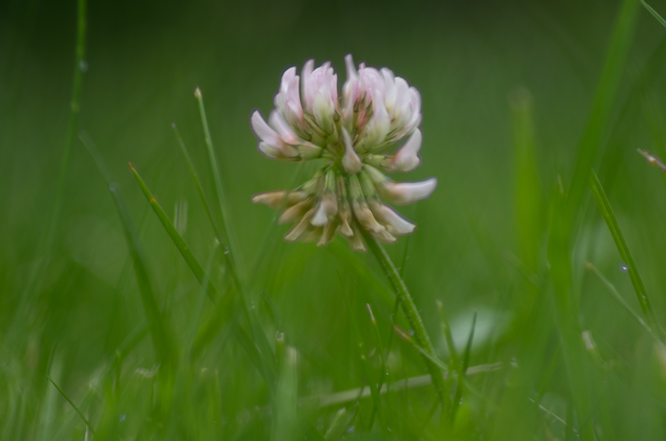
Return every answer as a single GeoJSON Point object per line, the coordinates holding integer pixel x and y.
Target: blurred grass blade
{"type": "Point", "coordinates": [72, 404]}
{"type": "Point", "coordinates": [177, 239]}
{"type": "Point", "coordinates": [461, 374]}
{"type": "Point", "coordinates": [609, 217]}
{"type": "Point", "coordinates": [285, 418]}
{"type": "Point", "coordinates": [602, 106]}
{"type": "Point", "coordinates": [654, 13]}
{"type": "Point", "coordinates": [162, 343]}
{"type": "Point", "coordinates": [335, 429]}
{"type": "Point", "coordinates": [527, 191]}
{"type": "Point", "coordinates": [409, 307]}
{"type": "Point", "coordinates": [48, 237]}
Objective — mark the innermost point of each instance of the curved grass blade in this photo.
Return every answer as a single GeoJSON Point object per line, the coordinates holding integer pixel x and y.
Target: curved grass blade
{"type": "Point", "coordinates": [177, 239]}
{"type": "Point", "coordinates": [609, 217]}
{"type": "Point", "coordinates": [164, 347]}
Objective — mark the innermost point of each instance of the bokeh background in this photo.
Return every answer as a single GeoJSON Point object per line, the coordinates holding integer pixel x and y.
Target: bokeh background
{"type": "Point", "coordinates": [471, 60]}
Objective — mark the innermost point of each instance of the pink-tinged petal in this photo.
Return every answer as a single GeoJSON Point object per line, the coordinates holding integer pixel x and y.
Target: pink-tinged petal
{"type": "Point", "coordinates": [391, 93]}
{"type": "Point", "coordinates": [263, 131]}
{"type": "Point", "coordinates": [351, 163]}
{"type": "Point", "coordinates": [277, 122]}
{"type": "Point", "coordinates": [406, 193]}
{"type": "Point", "coordinates": [407, 158]}
{"type": "Point", "coordinates": [306, 86]}
{"type": "Point", "coordinates": [395, 223]}
{"type": "Point", "coordinates": [296, 212]}
{"type": "Point", "coordinates": [276, 199]}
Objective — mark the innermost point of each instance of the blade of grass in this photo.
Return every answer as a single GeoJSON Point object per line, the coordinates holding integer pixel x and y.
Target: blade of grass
{"type": "Point", "coordinates": [162, 343]}
{"type": "Point", "coordinates": [48, 237]}
{"type": "Point", "coordinates": [611, 222]}
{"type": "Point", "coordinates": [62, 392]}
{"type": "Point", "coordinates": [413, 316]}
{"type": "Point", "coordinates": [219, 188]}
{"type": "Point", "coordinates": [334, 428]}
{"type": "Point", "coordinates": [177, 239]}
{"type": "Point", "coordinates": [527, 191]}
{"type": "Point", "coordinates": [654, 13]}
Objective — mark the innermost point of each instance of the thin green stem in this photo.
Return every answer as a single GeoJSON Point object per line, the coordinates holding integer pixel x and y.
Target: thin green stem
{"type": "Point", "coordinates": [654, 13]}
{"type": "Point", "coordinates": [607, 213]}
{"type": "Point", "coordinates": [72, 404]}
{"type": "Point", "coordinates": [413, 316]}
{"type": "Point", "coordinates": [219, 188]}
{"type": "Point", "coordinates": [177, 239]}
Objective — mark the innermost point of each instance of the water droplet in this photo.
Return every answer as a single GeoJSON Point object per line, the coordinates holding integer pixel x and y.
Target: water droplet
{"type": "Point", "coordinates": [113, 187]}
{"type": "Point", "coordinates": [226, 251]}
{"type": "Point", "coordinates": [350, 429]}
{"type": "Point", "coordinates": [411, 332]}
{"type": "Point", "coordinates": [83, 66]}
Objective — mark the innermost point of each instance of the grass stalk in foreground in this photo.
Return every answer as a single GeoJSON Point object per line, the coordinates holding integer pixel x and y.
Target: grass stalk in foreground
{"type": "Point", "coordinates": [177, 239]}
{"type": "Point", "coordinates": [609, 217]}
{"type": "Point", "coordinates": [47, 241]}
{"type": "Point", "coordinates": [413, 316]}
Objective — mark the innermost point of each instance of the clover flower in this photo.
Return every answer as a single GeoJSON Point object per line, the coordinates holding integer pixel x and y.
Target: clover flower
{"type": "Point", "coordinates": [372, 129]}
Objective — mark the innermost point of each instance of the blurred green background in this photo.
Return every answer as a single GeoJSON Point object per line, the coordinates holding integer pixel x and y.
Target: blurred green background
{"type": "Point", "coordinates": [468, 59]}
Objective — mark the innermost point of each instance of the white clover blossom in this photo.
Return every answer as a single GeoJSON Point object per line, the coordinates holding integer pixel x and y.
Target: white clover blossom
{"type": "Point", "coordinates": [372, 129]}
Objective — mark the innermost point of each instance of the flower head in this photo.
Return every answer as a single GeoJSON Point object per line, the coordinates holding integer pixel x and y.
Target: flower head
{"type": "Point", "coordinates": [372, 129]}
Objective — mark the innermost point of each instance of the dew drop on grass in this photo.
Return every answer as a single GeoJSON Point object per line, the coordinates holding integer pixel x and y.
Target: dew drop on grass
{"type": "Point", "coordinates": [83, 66]}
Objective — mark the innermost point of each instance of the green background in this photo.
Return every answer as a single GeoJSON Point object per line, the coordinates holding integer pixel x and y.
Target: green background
{"type": "Point", "coordinates": [467, 58]}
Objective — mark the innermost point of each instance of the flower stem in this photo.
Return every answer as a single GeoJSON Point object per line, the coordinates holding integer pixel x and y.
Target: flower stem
{"type": "Point", "coordinates": [412, 313]}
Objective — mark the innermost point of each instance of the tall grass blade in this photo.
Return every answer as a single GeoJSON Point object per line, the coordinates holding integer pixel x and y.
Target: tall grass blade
{"type": "Point", "coordinates": [527, 190]}
{"type": "Point", "coordinates": [286, 399]}
{"type": "Point", "coordinates": [177, 239]}
{"type": "Point", "coordinates": [611, 222]}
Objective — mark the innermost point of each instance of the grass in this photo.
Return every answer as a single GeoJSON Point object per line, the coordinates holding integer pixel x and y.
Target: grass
{"type": "Point", "coordinates": [503, 317]}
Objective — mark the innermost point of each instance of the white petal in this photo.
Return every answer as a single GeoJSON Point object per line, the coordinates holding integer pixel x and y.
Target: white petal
{"type": "Point", "coordinates": [394, 222]}
{"type": "Point", "coordinates": [407, 158]}
{"type": "Point", "coordinates": [263, 131]}
{"type": "Point", "coordinates": [350, 161]}
{"type": "Point", "coordinates": [406, 193]}
{"type": "Point", "coordinates": [308, 67]}
{"type": "Point", "coordinates": [277, 122]}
